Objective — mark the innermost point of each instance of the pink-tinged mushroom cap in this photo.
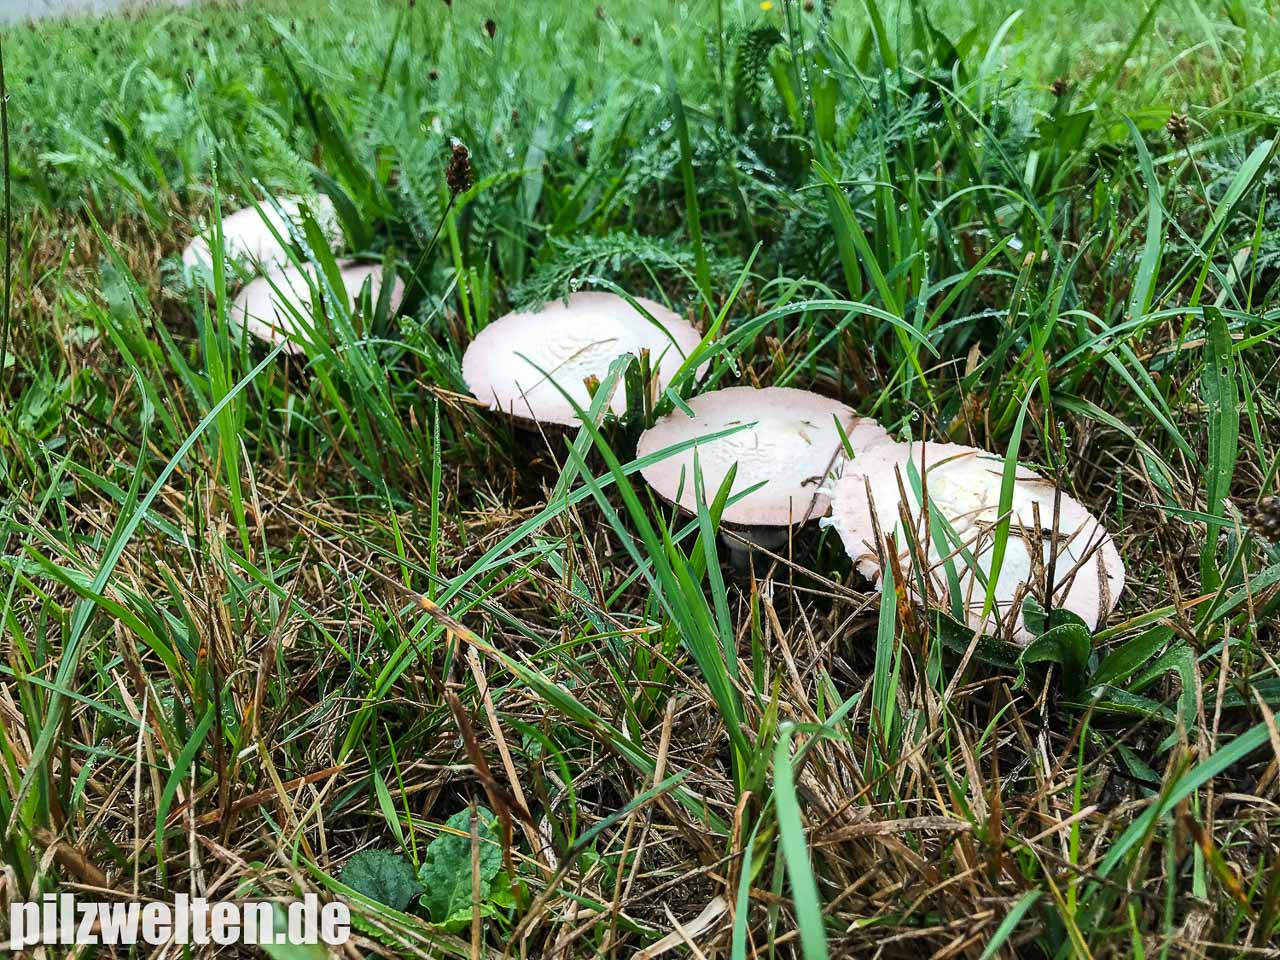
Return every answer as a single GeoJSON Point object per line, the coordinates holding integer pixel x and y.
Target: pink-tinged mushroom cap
{"type": "Point", "coordinates": [512, 363]}
{"type": "Point", "coordinates": [791, 446]}
{"type": "Point", "coordinates": [247, 236]}
{"type": "Point", "coordinates": [962, 484]}
{"type": "Point", "coordinates": [266, 306]}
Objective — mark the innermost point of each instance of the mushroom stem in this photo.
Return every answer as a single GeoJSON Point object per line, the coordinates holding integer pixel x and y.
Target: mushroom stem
{"type": "Point", "coordinates": [742, 542]}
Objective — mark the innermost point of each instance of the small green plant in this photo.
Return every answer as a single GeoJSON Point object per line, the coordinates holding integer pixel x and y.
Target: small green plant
{"type": "Point", "coordinates": [1114, 683]}
{"type": "Point", "coordinates": [383, 876]}
{"type": "Point", "coordinates": [447, 877]}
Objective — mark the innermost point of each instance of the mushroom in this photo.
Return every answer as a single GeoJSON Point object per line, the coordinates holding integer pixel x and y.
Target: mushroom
{"type": "Point", "coordinates": [247, 236]}
{"type": "Point", "coordinates": [962, 484]}
{"type": "Point", "coordinates": [269, 306]}
{"type": "Point", "coordinates": [789, 441]}
{"type": "Point", "coordinates": [520, 363]}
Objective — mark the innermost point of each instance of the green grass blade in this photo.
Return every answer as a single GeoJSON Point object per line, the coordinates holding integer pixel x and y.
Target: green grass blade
{"type": "Point", "coordinates": [1221, 398]}
{"type": "Point", "coordinates": [795, 852]}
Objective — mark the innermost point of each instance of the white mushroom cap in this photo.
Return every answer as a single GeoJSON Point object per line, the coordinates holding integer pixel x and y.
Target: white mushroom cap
{"type": "Point", "coordinates": [247, 236]}
{"type": "Point", "coordinates": [792, 446]}
{"type": "Point", "coordinates": [511, 363]}
{"type": "Point", "coordinates": [266, 306]}
{"type": "Point", "coordinates": [963, 485]}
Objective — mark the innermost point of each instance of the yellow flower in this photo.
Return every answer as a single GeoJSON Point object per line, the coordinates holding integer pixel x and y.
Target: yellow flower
{"type": "Point", "coordinates": [767, 6]}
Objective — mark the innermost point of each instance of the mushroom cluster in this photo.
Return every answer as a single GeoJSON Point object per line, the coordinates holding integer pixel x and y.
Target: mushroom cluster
{"type": "Point", "coordinates": [797, 456]}
{"type": "Point", "coordinates": [275, 306]}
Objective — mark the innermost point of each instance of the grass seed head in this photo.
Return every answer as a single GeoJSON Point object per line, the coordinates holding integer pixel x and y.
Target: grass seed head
{"type": "Point", "coordinates": [1179, 128]}
{"type": "Point", "coordinates": [458, 173]}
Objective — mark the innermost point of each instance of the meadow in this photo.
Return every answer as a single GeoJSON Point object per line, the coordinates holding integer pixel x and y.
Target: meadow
{"type": "Point", "coordinates": [278, 623]}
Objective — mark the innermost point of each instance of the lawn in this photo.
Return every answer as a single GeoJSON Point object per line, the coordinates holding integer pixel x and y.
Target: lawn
{"type": "Point", "coordinates": [277, 622]}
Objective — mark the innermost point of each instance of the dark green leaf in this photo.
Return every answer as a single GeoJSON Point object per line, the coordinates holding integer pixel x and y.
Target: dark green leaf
{"type": "Point", "coordinates": [1067, 645]}
{"type": "Point", "coordinates": [445, 875]}
{"type": "Point", "coordinates": [383, 876]}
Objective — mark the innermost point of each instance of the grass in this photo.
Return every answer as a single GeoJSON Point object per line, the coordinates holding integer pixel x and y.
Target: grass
{"type": "Point", "coordinates": [263, 612]}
